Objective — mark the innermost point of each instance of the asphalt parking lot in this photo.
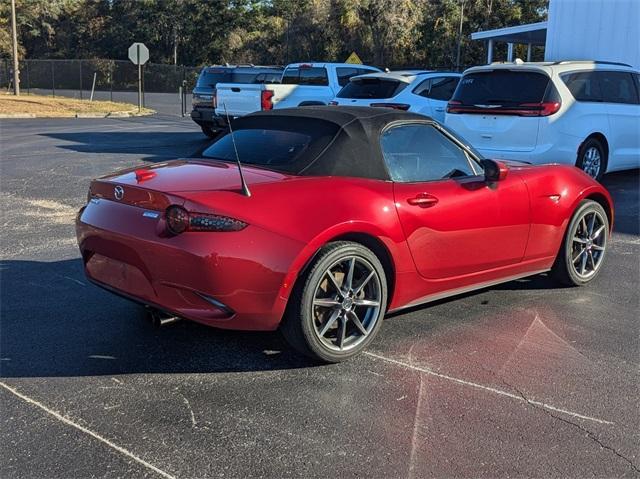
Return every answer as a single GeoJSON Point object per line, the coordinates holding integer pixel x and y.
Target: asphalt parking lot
{"type": "Point", "coordinates": [523, 379]}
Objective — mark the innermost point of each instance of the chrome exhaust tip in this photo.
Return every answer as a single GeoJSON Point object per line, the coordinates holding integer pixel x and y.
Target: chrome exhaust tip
{"type": "Point", "coordinates": [160, 318]}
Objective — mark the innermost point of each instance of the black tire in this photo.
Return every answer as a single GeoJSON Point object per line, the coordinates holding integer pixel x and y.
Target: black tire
{"type": "Point", "coordinates": [305, 320]}
{"type": "Point", "coordinates": [576, 245]}
{"type": "Point", "coordinates": [210, 131]}
{"type": "Point", "coordinates": [592, 167]}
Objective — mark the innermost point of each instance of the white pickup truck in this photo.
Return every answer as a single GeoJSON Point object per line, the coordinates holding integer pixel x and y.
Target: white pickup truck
{"type": "Point", "coordinates": [302, 84]}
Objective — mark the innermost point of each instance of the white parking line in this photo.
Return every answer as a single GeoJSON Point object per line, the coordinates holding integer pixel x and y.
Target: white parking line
{"type": "Point", "coordinates": [487, 388]}
{"type": "Point", "coordinates": [69, 422]}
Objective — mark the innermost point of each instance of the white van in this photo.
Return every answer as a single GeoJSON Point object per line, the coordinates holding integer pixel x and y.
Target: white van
{"type": "Point", "coordinates": [584, 113]}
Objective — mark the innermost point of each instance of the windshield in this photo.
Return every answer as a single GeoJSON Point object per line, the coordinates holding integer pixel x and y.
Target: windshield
{"type": "Point", "coordinates": [364, 88]}
{"type": "Point", "coordinates": [501, 87]}
{"type": "Point", "coordinates": [275, 149]}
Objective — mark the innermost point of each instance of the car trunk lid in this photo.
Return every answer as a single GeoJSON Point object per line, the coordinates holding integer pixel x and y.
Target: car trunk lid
{"type": "Point", "coordinates": [159, 186]}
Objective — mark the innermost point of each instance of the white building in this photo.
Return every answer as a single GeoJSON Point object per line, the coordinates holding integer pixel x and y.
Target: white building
{"type": "Point", "coordinates": [606, 30]}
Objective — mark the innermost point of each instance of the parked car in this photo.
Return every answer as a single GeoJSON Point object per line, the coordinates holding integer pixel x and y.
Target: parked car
{"type": "Point", "coordinates": [424, 92]}
{"type": "Point", "coordinates": [205, 96]}
{"type": "Point", "coordinates": [575, 112]}
{"type": "Point", "coordinates": [340, 215]}
{"type": "Point", "coordinates": [302, 84]}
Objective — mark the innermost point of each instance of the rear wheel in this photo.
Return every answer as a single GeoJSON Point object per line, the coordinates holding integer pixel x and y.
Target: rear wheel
{"type": "Point", "coordinates": [210, 131]}
{"type": "Point", "coordinates": [585, 244]}
{"type": "Point", "coordinates": [337, 308]}
{"type": "Point", "coordinates": [592, 158]}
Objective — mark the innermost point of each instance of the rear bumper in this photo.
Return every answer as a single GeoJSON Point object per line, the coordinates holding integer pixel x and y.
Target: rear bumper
{"type": "Point", "coordinates": [208, 117]}
{"type": "Point", "coordinates": [541, 154]}
{"type": "Point", "coordinates": [218, 279]}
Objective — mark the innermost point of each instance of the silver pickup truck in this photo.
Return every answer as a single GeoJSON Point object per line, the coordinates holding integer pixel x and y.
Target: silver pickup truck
{"type": "Point", "coordinates": [302, 84]}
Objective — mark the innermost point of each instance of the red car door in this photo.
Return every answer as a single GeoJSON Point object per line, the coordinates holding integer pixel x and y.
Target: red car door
{"type": "Point", "coordinates": [454, 222]}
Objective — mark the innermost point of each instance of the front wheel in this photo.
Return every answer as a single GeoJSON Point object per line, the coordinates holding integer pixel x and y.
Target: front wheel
{"type": "Point", "coordinates": [337, 308]}
{"type": "Point", "coordinates": [585, 244]}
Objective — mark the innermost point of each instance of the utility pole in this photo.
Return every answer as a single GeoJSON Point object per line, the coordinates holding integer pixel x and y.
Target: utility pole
{"type": "Point", "coordinates": [14, 34]}
{"type": "Point", "coordinates": [460, 34]}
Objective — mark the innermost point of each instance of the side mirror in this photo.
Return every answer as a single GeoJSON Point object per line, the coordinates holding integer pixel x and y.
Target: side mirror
{"type": "Point", "coordinates": [494, 170]}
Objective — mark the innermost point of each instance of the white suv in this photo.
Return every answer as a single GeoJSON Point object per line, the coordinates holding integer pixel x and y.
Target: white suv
{"type": "Point", "coordinates": [424, 92]}
{"type": "Point", "coordinates": [583, 113]}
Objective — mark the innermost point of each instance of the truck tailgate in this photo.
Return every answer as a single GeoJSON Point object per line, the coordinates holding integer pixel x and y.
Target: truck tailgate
{"type": "Point", "coordinates": [239, 98]}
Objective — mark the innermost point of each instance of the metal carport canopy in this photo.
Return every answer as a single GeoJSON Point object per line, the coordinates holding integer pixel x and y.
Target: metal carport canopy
{"type": "Point", "coordinates": [529, 34]}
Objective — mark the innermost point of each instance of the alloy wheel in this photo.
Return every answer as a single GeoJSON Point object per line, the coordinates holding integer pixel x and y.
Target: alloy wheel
{"type": "Point", "coordinates": [592, 162]}
{"type": "Point", "coordinates": [589, 240]}
{"type": "Point", "coordinates": [346, 303]}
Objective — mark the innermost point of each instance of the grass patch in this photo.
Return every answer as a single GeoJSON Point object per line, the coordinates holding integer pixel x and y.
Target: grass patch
{"type": "Point", "coordinates": [61, 107]}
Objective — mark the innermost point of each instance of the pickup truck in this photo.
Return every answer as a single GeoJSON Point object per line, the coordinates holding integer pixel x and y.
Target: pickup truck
{"type": "Point", "coordinates": [204, 93]}
{"type": "Point", "coordinates": [302, 84]}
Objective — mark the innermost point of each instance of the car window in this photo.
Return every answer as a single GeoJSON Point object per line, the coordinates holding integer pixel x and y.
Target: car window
{"type": "Point", "coordinates": [344, 74]}
{"type": "Point", "coordinates": [617, 87]}
{"type": "Point", "coordinates": [442, 88]}
{"type": "Point", "coordinates": [364, 88]}
{"type": "Point", "coordinates": [305, 76]}
{"type": "Point", "coordinates": [278, 147]}
{"type": "Point", "coordinates": [501, 87]}
{"type": "Point", "coordinates": [419, 152]}
{"type": "Point", "coordinates": [423, 88]}
{"type": "Point", "coordinates": [583, 86]}
{"type": "Point", "coordinates": [209, 77]}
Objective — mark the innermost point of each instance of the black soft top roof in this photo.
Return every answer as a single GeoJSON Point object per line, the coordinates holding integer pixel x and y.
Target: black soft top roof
{"type": "Point", "coordinates": [345, 140]}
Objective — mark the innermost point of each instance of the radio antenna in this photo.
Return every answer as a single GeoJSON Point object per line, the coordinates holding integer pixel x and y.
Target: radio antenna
{"type": "Point", "coordinates": [245, 187]}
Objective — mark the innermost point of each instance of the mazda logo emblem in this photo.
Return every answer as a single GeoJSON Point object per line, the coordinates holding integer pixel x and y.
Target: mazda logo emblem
{"type": "Point", "coordinates": [118, 192]}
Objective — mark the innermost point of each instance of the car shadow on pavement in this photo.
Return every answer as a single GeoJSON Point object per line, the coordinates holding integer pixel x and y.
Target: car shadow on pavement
{"type": "Point", "coordinates": [54, 323]}
{"type": "Point", "coordinates": [152, 146]}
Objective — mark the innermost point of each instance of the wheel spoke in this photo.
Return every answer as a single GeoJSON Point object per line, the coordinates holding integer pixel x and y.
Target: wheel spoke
{"type": "Point", "coordinates": [333, 281]}
{"type": "Point", "coordinates": [593, 262]}
{"type": "Point", "coordinates": [583, 223]}
{"type": "Point", "coordinates": [325, 302]}
{"type": "Point", "coordinates": [583, 265]}
{"type": "Point", "coordinates": [332, 319]}
{"type": "Point", "coordinates": [348, 282]}
{"type": "Point", "coordinates": [577, 239]}
{"type": "Point", "coordinates": [597, 247]}
{"type": "Point", "coordinates": [577, 257]}
{"type": "Point", "coordinates": [356, 320]}
{"type": "Point", "coordinates": [597, 233]}
{"type": "Point", "coordinates": [366, 302]}
{"type": "Point", "coordinates": [342, 332]}
{"type": "Point", "coordinates": [364, 283]}
{"type": "Point", "coordinates": [593, 223]}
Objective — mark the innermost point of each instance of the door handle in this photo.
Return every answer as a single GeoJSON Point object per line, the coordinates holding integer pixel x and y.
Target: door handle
{"type": "Point", "coordinates": [423, 200]}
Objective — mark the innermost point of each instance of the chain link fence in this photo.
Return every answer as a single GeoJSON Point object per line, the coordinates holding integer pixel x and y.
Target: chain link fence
{"type": "Point", "coordinates": [114, 80]}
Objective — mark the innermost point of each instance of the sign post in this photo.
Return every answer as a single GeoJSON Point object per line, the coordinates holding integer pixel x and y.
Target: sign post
{"type": "Point", "coordinates": [139, 55]}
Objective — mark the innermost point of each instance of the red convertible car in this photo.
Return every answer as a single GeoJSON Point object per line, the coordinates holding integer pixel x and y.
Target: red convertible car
{"type": "Point", "coordinates": [337, 216]}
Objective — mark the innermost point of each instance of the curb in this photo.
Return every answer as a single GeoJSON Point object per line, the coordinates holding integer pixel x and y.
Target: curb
{"type": "Point", "coordinates": [111, 114]}
{"type": "Point", "coordinates": [18, 115]}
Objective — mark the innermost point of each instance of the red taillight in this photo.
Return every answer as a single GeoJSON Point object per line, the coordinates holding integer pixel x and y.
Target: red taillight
{"type": "Point", "coordinates": [395, 106]}
{"type": "Point", "coordinates": [544, 108]}
{"type": "Point", "coordinates": [333, 103]}
{"type": "Point", "coordinates": [265, 100]}
{"type": "Point", "coordinates": [454, 106]}
{"type": "Point", "coordinates": [214, 99]}
{"type": "Point", "coordinates": [180, 220]}
{"type": "Point", "coordinates": [177, 219]}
